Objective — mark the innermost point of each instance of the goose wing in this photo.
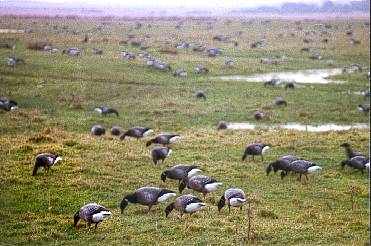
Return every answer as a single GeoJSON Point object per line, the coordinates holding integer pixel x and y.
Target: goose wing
{"type": "Point", "coordinates": [147, 195]}
{"type": "Point", "coordinates": [254, 149]}
{"type": "Point", "coordinates": [86, 212]}
{"type": "Point", "coordinates": [47, 158]}
{"type": "Point", "coordinates": [179, 171]}
{"type": "Point", "coordinates": [234, 193]}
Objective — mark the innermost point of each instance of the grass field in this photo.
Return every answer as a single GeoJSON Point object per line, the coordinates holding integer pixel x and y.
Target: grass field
{"type": "Point", "coordinates": [57, 95]}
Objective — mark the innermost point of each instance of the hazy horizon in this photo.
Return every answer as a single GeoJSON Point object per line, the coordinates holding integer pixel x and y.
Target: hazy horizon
{"type": "Point", "coordinates": [174, 3]}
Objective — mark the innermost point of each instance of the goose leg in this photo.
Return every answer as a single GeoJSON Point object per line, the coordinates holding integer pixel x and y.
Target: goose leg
{"type": "Point", "coordinates": [95, 228]}
{"type": "Point", "coordinates": [229, 208]}
{"type": "Point", "coordinates": [306, 176]}
{"type": "Point", "coordinates": [262, 157]}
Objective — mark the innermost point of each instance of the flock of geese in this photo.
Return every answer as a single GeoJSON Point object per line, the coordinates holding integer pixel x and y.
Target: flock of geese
{"type": "Point", "coordinates": [189, 176]}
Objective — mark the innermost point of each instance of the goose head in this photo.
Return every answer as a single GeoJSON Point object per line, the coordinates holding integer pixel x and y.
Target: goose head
{"type": "Point", "coordinates": [164, 175]}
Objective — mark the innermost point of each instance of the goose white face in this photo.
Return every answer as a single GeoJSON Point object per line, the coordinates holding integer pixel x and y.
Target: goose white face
{"type": "Point", "coordinates": [99, 110]}
{"type": "Point", "coordinates": [57, 159]}
{"type": "Point", "coordinates": [213, 186]}
{"type": "Point", "coordinates": [193, 207]}
{"type": "Point", "coordinates": [173, 139]}
{"type": "Point", "coordinates": [98, 217]}
{"type": "Point", "coordinates": [314, 169]}
{"type": "Point", "coordinates": [236, 202]}
{"type": "Point", "coordinates": [146, 133]}
{"type": "Point", "coordinates": [166, 196]}
{"type": "Point", "coordinates": [265, 149]}
{"type": "Point", "coordinates": [194, 172]}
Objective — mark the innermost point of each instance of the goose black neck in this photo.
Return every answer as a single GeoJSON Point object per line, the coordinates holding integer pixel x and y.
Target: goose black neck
{"type": "Point", "coordinates": [221, 203]}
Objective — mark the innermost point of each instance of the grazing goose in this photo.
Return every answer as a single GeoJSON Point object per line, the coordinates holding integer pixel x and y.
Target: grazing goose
{"type": "Point", "coordinates": [180, 73]}
{"type": "Point", "coordinates": [349, 151]}
{"type": "Point", "coordinates": [283, 164]}
{"type": "Point", "coordinates": [201, 69]}
{"type": "Point", "coordinates": [185, 204]}
{"type": "Point", "coordinates": [200, 94]}
{"type": "Point", "coordinates": [116, 131]}
{"type": "Point", "coordinates": [255, 149]}
{"type": "Point", "coordinates": [128, 55]}
{"type": "Point", "coordinates": [97, 51]}
{"type": "Point", "coordinates": [71, 51]}
{"type": "Point", "coordinates": [303, 167]}
{"type": "Point", "coordinates": [357, 162]}
{"type": "Point", "coordinates": [137, 132]}
{"type": "Point", "coordinates": [147, 196]}
{"type": "Point", "coordinates": [180, 172]}
{"type": "Point", "coordinates": [315, 57]}
{"type": "Point", "coordinates": [45, 160]}
{"type": "Point", "coordinates": [163, 139]}
{"type": "Point", "coordinates": [258, 115]}
{"type": "Point", "coordinates": [306, 49]}
{"type": "Point", "coordinates": [160, 65]}
{"type": "Point", "coordinates": [54, 50]}
{"type": "Point", "coordinates": [214, 52]}
{"type": "Point", "coordinates": [98, 130]}
{"type": "Point", "coordinates": [7, 104]}
{"type": "Point", "coordinates": [199, 183]}
{"type": "Point", "coordinates": [199, 48]}
{"type": "Point", "coordinates": [232, 197]}
{"type": "Point", "coordinates": [290, 85]}
{"type": "Point", "coordinates": [365, 108]}
{"type": "Point", "coordinates": [12, 61]}
{"type": "Point", "coordinates": [91, 213]}
{"type": "Point", "coordinates": [222, 125]}
{"type": "Point", "coordinates": [279, 101]}
{"type": "Point", "coordinates": [230, 63]}
{"type": "Point", "coordinates": [106, 110]}
{"type": "Point", "coordinates": [160, 153]}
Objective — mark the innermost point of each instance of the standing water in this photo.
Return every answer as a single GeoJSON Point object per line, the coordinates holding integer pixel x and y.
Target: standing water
{"type": "Point", "coordinates": [314, 76]}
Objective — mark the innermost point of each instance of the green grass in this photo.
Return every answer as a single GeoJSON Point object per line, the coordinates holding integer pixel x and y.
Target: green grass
{"type": "Point", "coordinates": [57, 95]}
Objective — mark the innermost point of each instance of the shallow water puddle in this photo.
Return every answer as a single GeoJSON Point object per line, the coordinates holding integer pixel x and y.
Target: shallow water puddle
{"type": "Point", "coordinates": [297, 127]}
{"type": "Point", "coordinates": [313, 76]}
{"type": "Point", "coordinates": [12, 31]}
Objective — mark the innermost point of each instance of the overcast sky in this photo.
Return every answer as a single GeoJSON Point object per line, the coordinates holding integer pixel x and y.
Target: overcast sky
{"type": "Point", "coordinates": [186, 3]}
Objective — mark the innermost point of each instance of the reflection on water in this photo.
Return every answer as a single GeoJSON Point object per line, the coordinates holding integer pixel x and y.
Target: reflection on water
{"type": "Point", "coordinates": [296, 126]}
{"type": "Point", "coordinates": [314, 76]}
